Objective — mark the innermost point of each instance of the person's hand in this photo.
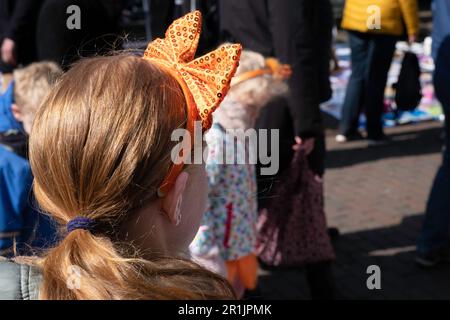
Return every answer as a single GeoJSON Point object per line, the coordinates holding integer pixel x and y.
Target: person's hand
{"type": "Point", "coordinates": [412, 38]}
{"type": "Point", "coordinates": [307, 145]}
{"type": "Point", "coordinates": [9, 52]}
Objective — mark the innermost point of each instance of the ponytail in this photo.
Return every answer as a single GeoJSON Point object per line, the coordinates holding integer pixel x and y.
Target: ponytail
{"type": "Point", "coordinates": [96, 152]}
{"type": "Point", "coordinates": [88, 267]}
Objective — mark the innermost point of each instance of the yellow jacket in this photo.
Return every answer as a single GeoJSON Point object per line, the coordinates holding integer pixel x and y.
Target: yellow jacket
{"type": "Point", "coordinates": [362, 16]}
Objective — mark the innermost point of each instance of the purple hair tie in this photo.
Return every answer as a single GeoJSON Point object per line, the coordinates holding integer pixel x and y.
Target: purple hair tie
{"type": "Point", "coordinates": [81, 223]}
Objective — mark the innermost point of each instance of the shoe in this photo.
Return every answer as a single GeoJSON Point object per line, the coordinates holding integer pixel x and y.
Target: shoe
{"type": "Point", "coordinates": [427, 260]}
{"type": "Point", "coordinates": [342, 138]}
{"type": "Point", "coordinates": [253, 295]}
{"type": "Point", "coordinates": [379, 142]}
{"type": "Point", "coordinates": [432, 259]}
{"type": "Point", "coordinates": [333, 233]}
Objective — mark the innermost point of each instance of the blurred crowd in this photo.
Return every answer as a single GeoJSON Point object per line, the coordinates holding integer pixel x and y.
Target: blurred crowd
{"type": "Point", "coordinates": [85, 128]}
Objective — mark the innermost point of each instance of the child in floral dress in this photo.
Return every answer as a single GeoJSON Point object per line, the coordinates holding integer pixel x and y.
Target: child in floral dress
{"type": "Point", "coordinates": [226, 239]}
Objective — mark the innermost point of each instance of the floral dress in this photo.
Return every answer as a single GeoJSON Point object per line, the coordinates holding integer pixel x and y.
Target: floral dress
{"type": "Point", "coordinates": [230, 221]}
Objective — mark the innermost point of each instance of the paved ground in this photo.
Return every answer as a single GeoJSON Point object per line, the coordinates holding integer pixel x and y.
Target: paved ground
{"type": "Point", "coordinates": [376, 197]}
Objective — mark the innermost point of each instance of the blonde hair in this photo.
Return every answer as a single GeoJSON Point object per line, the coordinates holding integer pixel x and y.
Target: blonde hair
{"type": "Point", "coordinates": [32, 84]}
{"type": "Point", "coordinates": [259, 90]}
{"type": "Point", "coordinates": [99, 148]}
{"type": "Point", "coordinates": [251, 95]}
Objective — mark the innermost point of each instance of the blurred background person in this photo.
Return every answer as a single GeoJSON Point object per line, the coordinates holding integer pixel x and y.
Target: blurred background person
{"type": "Point", "coordinates": [228, 232]}
{"type": "Point", "coordinates": [298, 33]}
{"type": "Point", "coordinates": [22, 228]}
{"type": "Point", "coordinates": [372, 48]}
{"type": "Point", "coordinates": [17, 34]}
{"type": "Point", "coordinates": [434, 239]}
{"type": "Point", "coordinates": [97, 34]}
{"type": "Point", "coordinates": [162, 12]}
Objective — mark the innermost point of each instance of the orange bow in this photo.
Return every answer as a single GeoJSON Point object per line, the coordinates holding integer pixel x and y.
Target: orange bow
{"type": "Point", "coordinates": [208, 77]}
{"type": "Point", "coordinates": [205, 81]}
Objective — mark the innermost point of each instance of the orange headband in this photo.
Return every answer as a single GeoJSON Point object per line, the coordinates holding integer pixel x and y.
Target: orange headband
{"type": "Point", "coordinates": [205, 81]}
{"type": "Point", "coordinates": [273, 67]}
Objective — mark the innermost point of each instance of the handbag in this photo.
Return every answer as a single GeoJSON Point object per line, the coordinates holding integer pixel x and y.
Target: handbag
{"type": "Point", "coordinates": [408, 91]}
{"type": "Point", "coordinates": [292, 229]}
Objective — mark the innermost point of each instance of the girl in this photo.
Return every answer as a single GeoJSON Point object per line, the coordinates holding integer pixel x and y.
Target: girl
{"type": "Point", "coordinates": [100, 151]}
{"type": "Point", "coordinates": [226, 240]}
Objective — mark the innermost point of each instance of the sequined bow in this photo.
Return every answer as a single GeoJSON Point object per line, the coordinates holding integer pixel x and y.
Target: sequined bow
{"type": "Point", "coordinates": [205, 81]}
{"type": "Point", "coordinates": [208, 77]}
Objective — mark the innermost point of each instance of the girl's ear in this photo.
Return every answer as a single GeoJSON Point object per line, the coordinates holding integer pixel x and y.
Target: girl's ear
{"type": "Point", "coordinates": [171, 203]}
{"type": "Point", "coordinates": [17, 113]}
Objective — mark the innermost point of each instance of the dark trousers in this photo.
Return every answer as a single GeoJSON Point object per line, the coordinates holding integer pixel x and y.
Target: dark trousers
{"type": "Point", "coordinates": [276, 115]}
{"type": "Point", "coordinates": [371, 59]}
{"type": "Point", "coordinates": [321, 282]}
{"type": "Point", "coordinates": [435, 231]}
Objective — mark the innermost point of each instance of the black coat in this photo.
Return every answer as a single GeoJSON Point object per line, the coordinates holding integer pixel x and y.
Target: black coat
{"type": "Point", "coordinates": [18, 22]}
{"type": "Point", "coordinates": [98, 33]}
{"type": "Point", "coordinates": [298, 32]}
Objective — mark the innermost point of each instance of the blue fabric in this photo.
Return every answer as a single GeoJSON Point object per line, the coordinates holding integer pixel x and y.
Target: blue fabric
{"type": "Point", "coordinates": [81, 223]}
{"type": "Point", "coordinates": [16, 214]}
{"type": "Point", "coordinates": [435, 231]}
{"type": "Point", "coordinates": [7, 120]}
{"type": "Point", "coordinates": [441, 24]}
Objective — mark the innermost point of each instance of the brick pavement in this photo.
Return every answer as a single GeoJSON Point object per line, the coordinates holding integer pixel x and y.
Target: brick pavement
{"type": "Point", "coordinates": [376, 197]}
